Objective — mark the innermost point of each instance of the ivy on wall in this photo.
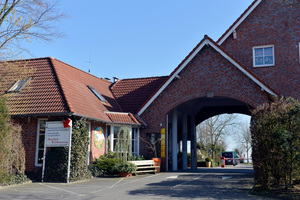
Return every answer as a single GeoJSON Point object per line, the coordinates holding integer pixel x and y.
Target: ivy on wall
{"type": "Point", "coordinates": [57, 158]}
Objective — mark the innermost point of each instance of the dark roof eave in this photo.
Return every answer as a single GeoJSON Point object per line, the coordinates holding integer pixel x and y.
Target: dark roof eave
{"type": "Point", "coordinates": [69, 115]}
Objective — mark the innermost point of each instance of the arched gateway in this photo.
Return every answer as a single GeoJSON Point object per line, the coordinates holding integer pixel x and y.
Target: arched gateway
{"type": "Point", "coordinates": [207, 83]}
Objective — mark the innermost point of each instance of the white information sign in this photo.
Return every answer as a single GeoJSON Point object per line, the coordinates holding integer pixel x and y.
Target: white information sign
{"type": "Point", "coordinates": [57, 135]}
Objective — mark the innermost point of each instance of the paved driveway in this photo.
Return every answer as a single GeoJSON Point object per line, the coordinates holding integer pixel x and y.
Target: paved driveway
{"type": "Point", "coordinates": [214, 183]}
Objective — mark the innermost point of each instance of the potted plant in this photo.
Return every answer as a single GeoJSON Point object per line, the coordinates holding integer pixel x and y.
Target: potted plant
{"type": "Point", "coordinates": [153, 145]}
{"type": "Point", "coordinates": [125, 168]}
{"type": "Point", "coordinates": [208, 161]}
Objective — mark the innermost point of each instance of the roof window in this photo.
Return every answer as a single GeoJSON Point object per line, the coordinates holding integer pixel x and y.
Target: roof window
{"type": "Point", "coordinates": [19, 85]}
{"type": "Point", "coordinates": [96, 93]}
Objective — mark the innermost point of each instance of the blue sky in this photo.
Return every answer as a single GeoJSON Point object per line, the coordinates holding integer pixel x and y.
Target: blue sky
{"type": "Point", "coordinates": [135, 38]}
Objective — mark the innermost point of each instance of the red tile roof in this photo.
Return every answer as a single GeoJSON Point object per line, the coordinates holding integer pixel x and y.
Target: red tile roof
{"type": "Point", "coordinates": [41, 95]}
{"type": "Point", "coordinates": [58, 88]}
{"type": "Point", "coordinates": [81, 100]}
{"type": "Point", "coordinates": [125, 118]}
{"type": "Point", "coordinates": [131, 94]}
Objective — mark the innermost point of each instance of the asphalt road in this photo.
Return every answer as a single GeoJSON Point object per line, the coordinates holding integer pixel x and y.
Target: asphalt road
{"type": "Point", "coordinates": [214, 183]}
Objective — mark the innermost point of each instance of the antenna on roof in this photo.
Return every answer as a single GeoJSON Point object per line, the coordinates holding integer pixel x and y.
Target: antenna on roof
{"type": "Point", "coordinates": [90, 66]}
{"type": "Point", "coordinates": [90, 63]}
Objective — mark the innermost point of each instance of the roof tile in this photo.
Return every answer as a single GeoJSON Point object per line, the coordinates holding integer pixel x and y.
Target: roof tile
{"type": "Point", "coordinates": [131, 94]}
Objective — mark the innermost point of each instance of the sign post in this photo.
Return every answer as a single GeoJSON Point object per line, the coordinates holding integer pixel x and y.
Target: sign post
{"type": "Point", "coordinates": [58, 134]}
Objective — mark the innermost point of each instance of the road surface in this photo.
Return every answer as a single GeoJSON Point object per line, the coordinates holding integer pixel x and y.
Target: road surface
{"type": "Point", "coordinates": [204, 183]}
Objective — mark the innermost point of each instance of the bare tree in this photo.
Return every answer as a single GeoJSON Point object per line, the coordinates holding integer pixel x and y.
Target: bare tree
{"type": "Point", "coordinates": [213, 129]}
{"type": "Point", "coordinates": [244, 138]}
{"type": "Point", "coordinates": [25, 20]}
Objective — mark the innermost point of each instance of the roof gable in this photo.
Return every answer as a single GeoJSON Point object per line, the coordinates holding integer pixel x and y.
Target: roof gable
{"type": "Point", "coordinates": [192, 54]}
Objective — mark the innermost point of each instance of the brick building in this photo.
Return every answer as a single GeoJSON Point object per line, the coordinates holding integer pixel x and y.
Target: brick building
{"type": "Point", "coordinates": [256, 60]}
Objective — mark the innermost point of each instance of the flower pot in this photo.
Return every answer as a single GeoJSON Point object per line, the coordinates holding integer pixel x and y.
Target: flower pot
{"type": "Point", "coordinates": [157, 162]}
{"type": "Point", "coordinates": [208, 164]}
{"type": "Point", "coordinates": [125, 174]}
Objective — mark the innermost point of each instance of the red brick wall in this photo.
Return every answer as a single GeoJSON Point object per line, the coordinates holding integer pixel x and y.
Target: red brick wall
{"type": "Point", "coordinates": [29, 134]}
{"type": "Point", "coordinates": [208, 71]}
{"type": "Point", "coordinates": [273, 22]}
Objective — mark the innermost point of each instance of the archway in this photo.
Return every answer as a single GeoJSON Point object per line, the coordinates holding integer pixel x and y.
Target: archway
{"type": "Point", "coordinates": [182, 122]}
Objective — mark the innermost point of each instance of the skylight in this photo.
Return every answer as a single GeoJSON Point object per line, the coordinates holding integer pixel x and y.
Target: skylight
{"type": "Point", "coordinates": [19, 85]}
{"type": "Point", "coordinates": [96, 93]}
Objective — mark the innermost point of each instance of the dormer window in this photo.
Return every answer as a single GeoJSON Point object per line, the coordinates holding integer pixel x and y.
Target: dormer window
{"type": "Point", "coordinates": [263, 56]}
{"type": "Point", "coordinates": [96, 93]}
{"type": "Point", "coordinates": [19, 85]}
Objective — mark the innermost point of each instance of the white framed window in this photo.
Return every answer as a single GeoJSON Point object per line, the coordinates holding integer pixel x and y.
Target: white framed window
{"type": "Point", "coordinates": [40, 142]}
{"type": "Point", "coordinates": [19, 85]}
{"type": "Point", "coordinates": [263, 56]}
{"type": "Point", "coordinates": [113, 139]}
{"type": "Point", "coordinates": [135, 141]}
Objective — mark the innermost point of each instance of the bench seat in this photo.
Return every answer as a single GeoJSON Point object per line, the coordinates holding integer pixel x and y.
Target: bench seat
{"type": "Point", "coordinates": [145, 166]}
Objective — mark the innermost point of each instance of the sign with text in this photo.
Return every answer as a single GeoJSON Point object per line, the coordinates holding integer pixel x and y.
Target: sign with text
{"type": "Point", "coordinates": [57, 135]}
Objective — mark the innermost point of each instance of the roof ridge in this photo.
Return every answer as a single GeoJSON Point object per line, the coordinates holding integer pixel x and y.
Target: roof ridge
{"type": "Point", "coordinates": [60, 85]}
{"type": "Point", "coordinates": [81, 70]}
{"type": "Point", "coordinates": [143, 78]}
{"type": "Point", "coordinates": [26, 59]}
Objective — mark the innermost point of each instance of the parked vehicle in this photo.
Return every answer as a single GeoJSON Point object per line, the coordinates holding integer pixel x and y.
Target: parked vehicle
{"type": "Point", "coordinates": [231, 158]}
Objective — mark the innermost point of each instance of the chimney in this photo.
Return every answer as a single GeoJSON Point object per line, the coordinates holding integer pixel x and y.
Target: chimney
{"type": "Point", "coordinates": [115, 79]}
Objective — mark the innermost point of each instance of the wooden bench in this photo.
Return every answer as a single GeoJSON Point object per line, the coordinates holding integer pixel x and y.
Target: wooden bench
{"type": "Point", "coordinates": [145, 166]}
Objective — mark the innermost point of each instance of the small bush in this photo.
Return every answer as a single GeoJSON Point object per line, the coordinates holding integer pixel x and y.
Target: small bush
{"type": "Point", "coordinates": [95, 171]}
{"type": "Point", "coordinates": [125, 167]}
{"type": "Point", "coordinates": [106, 163]}
{"type": "Point", "coordinates": [275, 129]}
{"type": "Point", "coordinates": [56, 168]}
{"type": "Point", "coordinates": [207, 159]}
{"type": "Point", "coordinates": [140, 157]}
{"type": "Point", "coordinates": [10, 179]}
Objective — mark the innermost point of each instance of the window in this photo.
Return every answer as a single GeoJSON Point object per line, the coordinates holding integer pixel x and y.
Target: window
{"type": "Point", "coordinates": [96, 93]}
{"type": "Point", "coordinates": [117, 137]}
{"type": "Point", "coordinates": [40, 141]}
{"type": "Point", "coordinates": [263, 56]}
{"type": "Point", "coordinates": [116, 131]}
{"type": "Point", "coordinates": [135, 142]}
{"type": "Point", "coordinates": [19, 85]}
